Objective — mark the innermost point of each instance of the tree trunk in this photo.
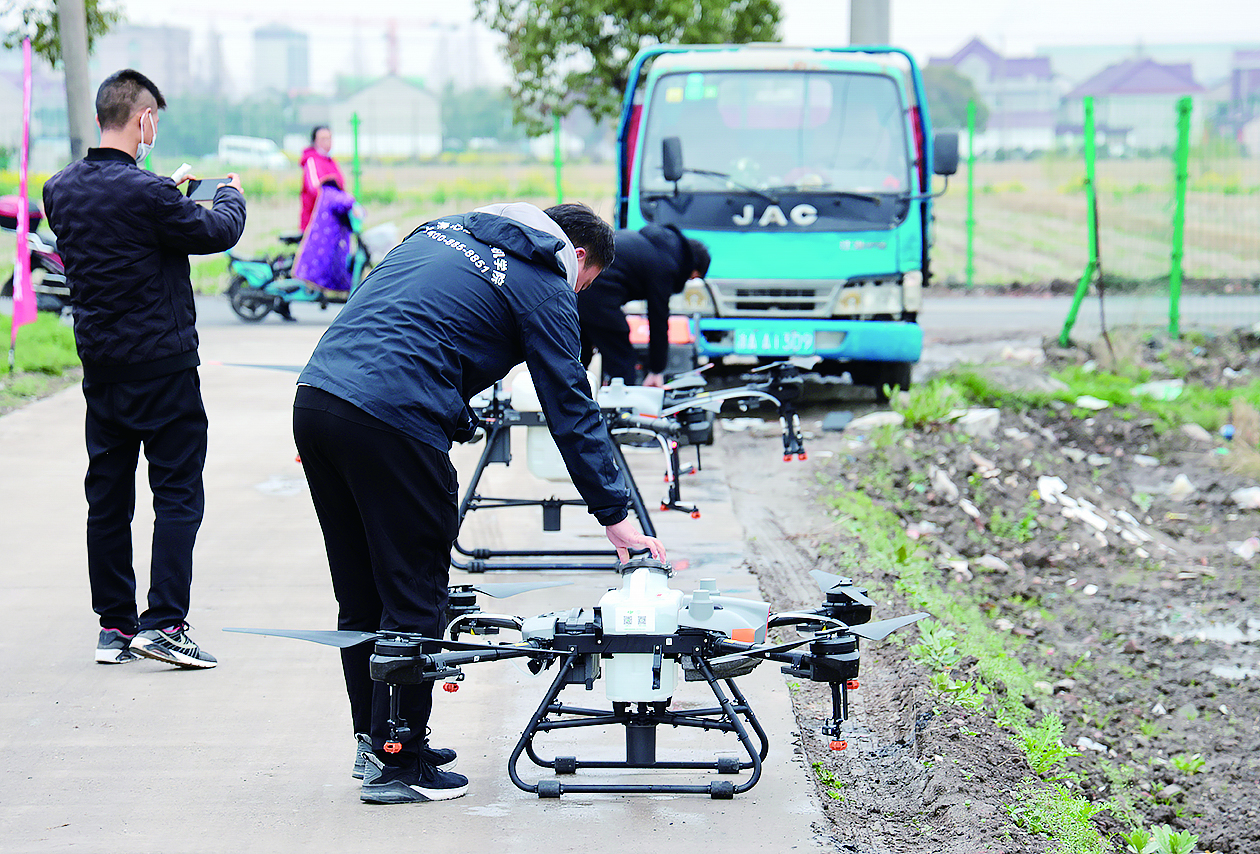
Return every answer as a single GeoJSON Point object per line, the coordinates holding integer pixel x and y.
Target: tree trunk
{"type": "Point", "coordinates": [72, 22]}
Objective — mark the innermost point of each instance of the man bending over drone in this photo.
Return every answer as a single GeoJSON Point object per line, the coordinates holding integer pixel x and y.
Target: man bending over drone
{"type": "Point", "coordinates": [445, 315]}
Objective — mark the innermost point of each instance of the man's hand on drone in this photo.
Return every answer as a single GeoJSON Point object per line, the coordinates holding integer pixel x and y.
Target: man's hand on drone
{"type": "Point", "coordinates": [625, 535]}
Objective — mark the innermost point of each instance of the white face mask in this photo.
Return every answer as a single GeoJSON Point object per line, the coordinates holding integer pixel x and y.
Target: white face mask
{"type": "Point", "coordinates": [143, 149]}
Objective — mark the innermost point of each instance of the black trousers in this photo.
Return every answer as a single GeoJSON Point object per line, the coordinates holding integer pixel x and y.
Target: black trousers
{"type": "Point", "coordinates": [604, 328]}
{"type": "Point", "coordinates": [388, 508]}
{"type": "Point", "coordinates": [166, 416]}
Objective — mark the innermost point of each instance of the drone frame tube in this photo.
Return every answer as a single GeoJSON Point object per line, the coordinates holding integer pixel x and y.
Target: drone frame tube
{"type": "Point", "coordinates": [482, 560]}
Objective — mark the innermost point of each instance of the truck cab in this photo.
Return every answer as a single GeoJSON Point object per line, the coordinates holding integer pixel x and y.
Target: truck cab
{"type": "Point", "coordinates": [808, 174]}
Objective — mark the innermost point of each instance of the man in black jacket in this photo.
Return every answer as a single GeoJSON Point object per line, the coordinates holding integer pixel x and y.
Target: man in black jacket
{"type": "Point", "coordinates": [446, 314]}
{"type": "Point", "coordinates": [125, 235]}
{"type": "Point", "coordinates": [652, 264]}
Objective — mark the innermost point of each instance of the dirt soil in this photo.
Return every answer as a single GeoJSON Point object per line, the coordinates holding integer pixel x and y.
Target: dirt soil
{"type": "Point", "coordinates": [1134, 593]}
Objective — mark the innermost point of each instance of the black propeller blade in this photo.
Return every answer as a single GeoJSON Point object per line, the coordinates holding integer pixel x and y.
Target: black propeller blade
{"type": "Point", "coordinates": [344, 639]}
{"type": "Point", "coordinates": [838, 584]}
{"type": "Point", "coordinates": [884, 628]}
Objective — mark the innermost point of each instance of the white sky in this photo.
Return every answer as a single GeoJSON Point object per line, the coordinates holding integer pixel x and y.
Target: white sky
{"type": "Point", "coordinates": [924, 27]}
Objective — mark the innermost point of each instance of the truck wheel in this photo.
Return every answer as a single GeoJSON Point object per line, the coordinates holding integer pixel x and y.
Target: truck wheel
{"type": "Point", "coordinates": [893, 374]}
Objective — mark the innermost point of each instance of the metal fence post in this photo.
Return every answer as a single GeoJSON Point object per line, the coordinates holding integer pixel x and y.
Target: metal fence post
{"type": "Point", "coordinates": [1180, 174]}
{"type": "Point", "coordinates": [357, 170]}
{"type": "Point", "coordinates": [971, 192]}
{"type": "Point", "coordinates": [1091, 202]}
{"type": "Point", "coordinates": [559, 159]}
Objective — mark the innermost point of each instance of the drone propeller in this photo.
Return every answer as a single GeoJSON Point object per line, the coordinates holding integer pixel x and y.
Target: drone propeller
{"type": "Point", "coordinates": [883, 628]}
{"type": "Point", "coordinates": [346, 639]}
{"type": "Point", "coordinates": [504, 589]}
{"type": "Point", "coordinates": [339, 639]}
{"type": "Point", "coordinates": [870, 631]}
{"type": "Point", "coordinates": [839, 584]}
{"type": "Point", "coordinates": [798, 362]}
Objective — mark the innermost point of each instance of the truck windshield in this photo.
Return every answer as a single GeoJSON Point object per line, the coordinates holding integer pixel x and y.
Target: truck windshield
{"type": "Point", "coordinates": [813, 132]}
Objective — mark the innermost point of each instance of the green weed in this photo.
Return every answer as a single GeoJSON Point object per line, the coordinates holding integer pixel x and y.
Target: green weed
{"type": "Point", "coordinates": [1044, 746]}
{"type": "Point", "coordinates": [1138, 839]}
{"type": "Point", "coordinates": [1189, 764]}
{"type": "Point", "coordinates": [1055, 812]}
{"type": "Point", "coordinates": [927, 405]}
{"type": "Point", "coordinates": [1169, 841]}
{"type": "Point", "coordinates": [832, 785]}
{"type": "Point", "coordinates": [1020, 530]}
{"type": "Point", "coordinates": [936, 648]}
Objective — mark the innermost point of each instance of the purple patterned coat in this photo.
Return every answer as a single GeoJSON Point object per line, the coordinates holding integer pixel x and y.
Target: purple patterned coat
{"type": "Point", "coordinates": [325, 247]}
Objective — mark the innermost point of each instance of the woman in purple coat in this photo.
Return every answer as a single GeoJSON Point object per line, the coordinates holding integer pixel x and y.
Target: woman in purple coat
{"type": "Point", "coordinates": [322, 256]}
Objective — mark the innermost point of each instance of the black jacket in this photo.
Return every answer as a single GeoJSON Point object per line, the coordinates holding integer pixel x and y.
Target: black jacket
{"type": "Point", "coordinates": [651, 264]}
{"type": "Point", "coordinates": [450, 311]}
{"type": "Point", "coordinates": [125, 235]}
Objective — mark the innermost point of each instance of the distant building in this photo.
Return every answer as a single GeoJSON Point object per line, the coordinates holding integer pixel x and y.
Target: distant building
{"type": "Point", "coordinates": [1135, 103]}
{"type": "Point", "coordinates": [1239, 113]}
{"type": "Point", "coordinates": [159, 53]}
{"type": "Point", "coordinates": [282, 59]}
{"type": "Point", "coordinates": [397, 118]}
{"type": "Point", "coordinates": [1020, 92]}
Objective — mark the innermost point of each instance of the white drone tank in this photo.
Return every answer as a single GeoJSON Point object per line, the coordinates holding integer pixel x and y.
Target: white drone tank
{"type": "Point", "coordinates": [642, 400]}
{"type": "Point", "coordinates": [541, 454]}
{"type": "Point", "coordinates": [643, 605]}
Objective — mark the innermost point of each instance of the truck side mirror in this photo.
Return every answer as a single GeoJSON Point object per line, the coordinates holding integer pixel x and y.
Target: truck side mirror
{"type": "Point", "coordinates": [672, 158]}
{"type": "Point", "coordinates": [945, 152]}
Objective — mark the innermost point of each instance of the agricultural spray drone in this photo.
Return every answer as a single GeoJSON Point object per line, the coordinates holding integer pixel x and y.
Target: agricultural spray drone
{"type": "Point", "coordinates": [639, 639]}
{"type": "Point", "coordinates": [681, 414]}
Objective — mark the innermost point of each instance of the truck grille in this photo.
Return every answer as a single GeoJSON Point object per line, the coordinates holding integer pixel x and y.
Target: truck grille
{"type": "Point", "coordinates": [738, 298]}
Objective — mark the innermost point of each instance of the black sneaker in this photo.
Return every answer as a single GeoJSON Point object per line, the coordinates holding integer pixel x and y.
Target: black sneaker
{"type": "Point", "coordinates": [172, 646]}
{"type": "Point", "coordinates": [114, 647]}
{"type": "Point", "coordinates": [442, 757]}
{"type": "Point", "coordinates": [389, 785]}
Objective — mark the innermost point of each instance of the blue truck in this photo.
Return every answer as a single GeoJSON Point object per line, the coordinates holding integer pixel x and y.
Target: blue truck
{"type": "Point", "coordinates": [808, 172]}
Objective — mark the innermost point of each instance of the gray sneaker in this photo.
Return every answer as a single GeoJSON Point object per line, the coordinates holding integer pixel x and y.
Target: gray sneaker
{"type": "Point", "coordinates": [389, 785]}
{"type": "Point", "coordinates": [441, 757]}
{"type": "Point", "coordinates": [114, 647]}
{"type": "Point", "coordinates": [174, 647]}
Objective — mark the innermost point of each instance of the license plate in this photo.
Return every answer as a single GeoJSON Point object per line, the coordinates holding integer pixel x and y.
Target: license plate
{"type": "Point", "coordinates": [780, 343]}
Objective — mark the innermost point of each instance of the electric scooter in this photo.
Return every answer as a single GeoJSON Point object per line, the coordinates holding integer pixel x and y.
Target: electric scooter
{"type": "Point", "coordinates": [48, 272]}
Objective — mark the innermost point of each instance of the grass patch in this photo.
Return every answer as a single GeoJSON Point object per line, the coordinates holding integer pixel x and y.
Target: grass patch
{"type": "Point", "coordinates": [1209, 407]}
{"type": "Point", "coordinates": [961, 629]}
{"type": "Point", "coordinates": [1055, 812]}
{"type": "Point", "coordinates": [45, 346]}
{"type": "Point", "coordinates": [45, 358]}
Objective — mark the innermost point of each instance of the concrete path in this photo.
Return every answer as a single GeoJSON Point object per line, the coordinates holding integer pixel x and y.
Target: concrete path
{"type": "Point", "coordinates": [255, 755]}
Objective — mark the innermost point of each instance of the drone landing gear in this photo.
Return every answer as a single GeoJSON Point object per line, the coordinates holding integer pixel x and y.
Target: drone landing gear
{"type": "Point", "coordinates": [641, 721]}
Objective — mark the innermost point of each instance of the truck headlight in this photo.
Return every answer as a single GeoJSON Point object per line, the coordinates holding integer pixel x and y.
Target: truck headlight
{"type": "Point", "coordinates": [694, 299]}
{"type": "Point", "coordinates": [912, 290]}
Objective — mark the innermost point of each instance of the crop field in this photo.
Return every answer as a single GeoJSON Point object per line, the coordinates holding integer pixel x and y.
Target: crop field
{"type": "Point", "coordinates": [1031, 222]}
{"type": "Point", "coordinates": [1030, 216]}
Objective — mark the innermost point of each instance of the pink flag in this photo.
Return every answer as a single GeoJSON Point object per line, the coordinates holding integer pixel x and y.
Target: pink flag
{"type": "Point", "coordinates": [23, 296]}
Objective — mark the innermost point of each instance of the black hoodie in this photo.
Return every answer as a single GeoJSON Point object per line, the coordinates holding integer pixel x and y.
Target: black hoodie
{"type": "Point", "coordinates": [651, 264]}
{"type": "Point", "coordinates": [450, 311]}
